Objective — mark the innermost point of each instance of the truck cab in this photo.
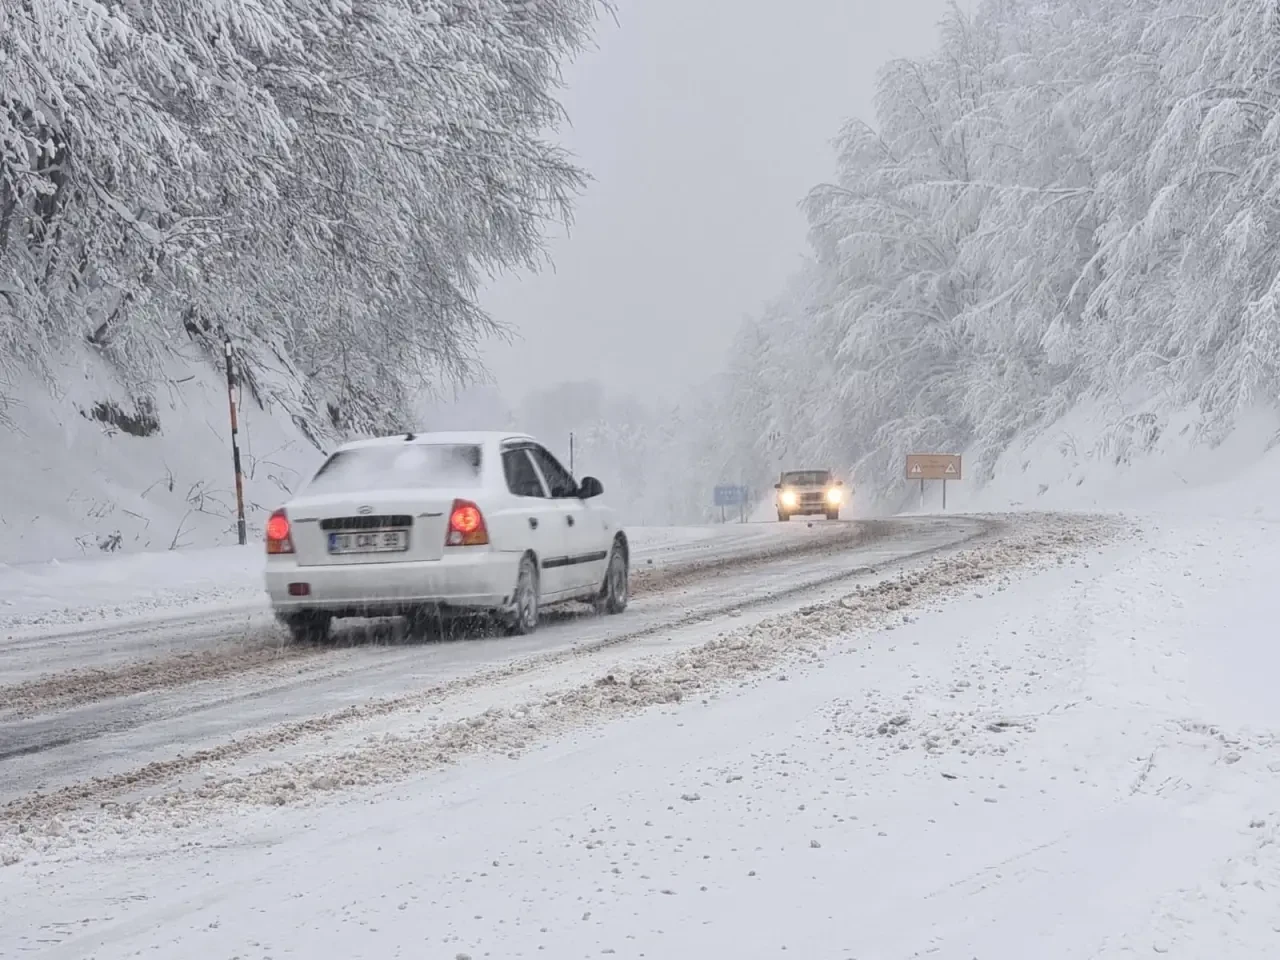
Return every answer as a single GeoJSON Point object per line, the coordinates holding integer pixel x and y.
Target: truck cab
{"type": "Point", "coordinates": [809, 492]}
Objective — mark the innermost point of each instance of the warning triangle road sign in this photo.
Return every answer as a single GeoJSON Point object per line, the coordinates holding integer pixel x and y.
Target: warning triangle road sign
{"type": "Point", "coordinates": [951, 468]}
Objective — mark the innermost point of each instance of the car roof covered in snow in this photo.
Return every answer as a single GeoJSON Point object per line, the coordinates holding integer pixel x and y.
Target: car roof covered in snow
{"type": "Point", "coordinates": [480, 438]}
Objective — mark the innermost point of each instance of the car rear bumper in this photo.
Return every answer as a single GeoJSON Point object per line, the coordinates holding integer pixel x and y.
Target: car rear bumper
{"type": "Point", "coordinates": [479, 580]}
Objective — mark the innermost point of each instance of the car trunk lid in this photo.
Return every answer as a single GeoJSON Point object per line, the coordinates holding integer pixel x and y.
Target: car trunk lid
{"type": "Point", "coordinates": [388, 526]}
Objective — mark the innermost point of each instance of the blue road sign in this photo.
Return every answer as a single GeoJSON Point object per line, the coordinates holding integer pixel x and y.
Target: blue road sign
{"type": "Point", "coordinates": [730, 496]}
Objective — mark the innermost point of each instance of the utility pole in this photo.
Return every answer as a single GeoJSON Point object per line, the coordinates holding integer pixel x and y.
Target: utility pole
{"type": "Point", "coordinates": [235, 439]}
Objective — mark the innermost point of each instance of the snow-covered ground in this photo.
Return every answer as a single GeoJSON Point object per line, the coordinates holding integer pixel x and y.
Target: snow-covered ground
{"type": "Point", "coordinates": [1138, 458]}
{"type": "Point", "coordinates": [1060, 740]}
{"type": "Point", "coordinates": [74, 483]}
{"type": "Point", "coordinates": [1048, 746]}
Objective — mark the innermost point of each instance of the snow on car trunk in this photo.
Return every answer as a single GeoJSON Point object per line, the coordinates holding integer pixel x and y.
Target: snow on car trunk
{"type": "Point", "coordinates": [385, 527]}
{"type": "Point", "coordinates": [383, 503]}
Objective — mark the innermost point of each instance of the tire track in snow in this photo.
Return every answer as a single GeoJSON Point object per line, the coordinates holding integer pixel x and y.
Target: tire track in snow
{"type": "Point", "coordinates": [91, 684]}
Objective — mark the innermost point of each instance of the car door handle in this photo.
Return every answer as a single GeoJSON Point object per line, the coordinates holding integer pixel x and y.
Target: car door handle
{"type": "Point", "coordinates": [570, 519]}
{"type": "Point", "coordinates": [533, 523]}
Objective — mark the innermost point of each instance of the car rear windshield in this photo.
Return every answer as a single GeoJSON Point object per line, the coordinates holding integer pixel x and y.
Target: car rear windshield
{"type": "Point", "coordinates": [807, 478]}
{"type": "Point", "coordinates": [399, 467]}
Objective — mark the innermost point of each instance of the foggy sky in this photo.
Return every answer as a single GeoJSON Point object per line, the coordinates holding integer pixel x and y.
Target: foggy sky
{"type": "Point", "coordinates": [703, 122]}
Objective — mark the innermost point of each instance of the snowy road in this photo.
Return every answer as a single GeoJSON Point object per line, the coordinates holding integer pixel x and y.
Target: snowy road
{"type": "Point", "coordinates": [1048, 741]}
{"type": "Point", "coordinates": [108, 702]}
{"type": "Point", "coordinates": [72, 600]}
{"type": "Point", "coordinates": [118, 619]}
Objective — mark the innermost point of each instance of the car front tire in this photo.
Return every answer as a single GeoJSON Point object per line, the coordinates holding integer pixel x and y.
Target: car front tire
{"type": "Point", "coordinates": [617, 583]}
{"type": "Point", "coordinates": [783, 517]}
{"type": "Point", "coordinates": [522, 619]}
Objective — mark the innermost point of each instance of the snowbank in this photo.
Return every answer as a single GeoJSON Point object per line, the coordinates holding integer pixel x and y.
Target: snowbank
{"type": "Point", "coordinates": [90, 471]}
{"type": "Point", "coordinates": [134, 586]}
{"type": "Point", "coordinates": [1099, 457]}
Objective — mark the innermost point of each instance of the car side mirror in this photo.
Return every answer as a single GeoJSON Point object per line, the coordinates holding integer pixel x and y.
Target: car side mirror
{"type": "Point", "coordinates": [589, 487]}
{"type": "Point", "coordinates": [777, 486]}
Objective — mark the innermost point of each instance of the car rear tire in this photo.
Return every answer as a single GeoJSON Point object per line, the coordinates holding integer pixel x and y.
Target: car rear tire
{"type": "Point", "coordinates": [833, 514]}
{"type": "Point", "coordinates": [617, 583]}
{"type": "Point", "coordinates": [522, 619]}
{"type": "Point", "coordinates": [309, 627]}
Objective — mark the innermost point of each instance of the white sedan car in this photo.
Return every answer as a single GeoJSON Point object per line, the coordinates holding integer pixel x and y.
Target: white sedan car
{"type": "Point", "coordinates": [435, 524]}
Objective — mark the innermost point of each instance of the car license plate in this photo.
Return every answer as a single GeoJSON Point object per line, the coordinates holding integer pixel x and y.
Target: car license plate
{"type": "Point", "coordinates": [375, 541]}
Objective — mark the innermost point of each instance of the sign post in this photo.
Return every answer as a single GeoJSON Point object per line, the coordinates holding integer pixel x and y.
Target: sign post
{"type": "Point", "coordinates": [731, 495]}
{"type": "Point", "coordinates": [235, 438]}
{"type": "Point", "coordinates": [934, 466]}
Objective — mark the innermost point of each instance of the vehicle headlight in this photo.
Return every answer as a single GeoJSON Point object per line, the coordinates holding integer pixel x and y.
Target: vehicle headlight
{"type": "Point", "coordinates": [834, 495]}
{"type": "Point", "coordinates": [789, 498]}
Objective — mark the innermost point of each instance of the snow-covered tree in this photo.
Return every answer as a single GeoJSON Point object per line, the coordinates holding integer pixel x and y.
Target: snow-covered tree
{"type": "Point", "coordinates": [328, 183]}
{"type": "Point", "coordinates": [1065, 200]}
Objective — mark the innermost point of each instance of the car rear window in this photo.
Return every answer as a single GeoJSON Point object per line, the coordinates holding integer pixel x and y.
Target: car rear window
{"type": "Point", "coordinates": [807, 478]}
{"type": "Point", "coordinates": [399, 467]}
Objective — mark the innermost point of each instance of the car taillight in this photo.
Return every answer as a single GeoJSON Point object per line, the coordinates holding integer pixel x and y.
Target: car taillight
{"type": "Point", "coordinates": [466, 526]}
{"type": "Point", "coordinates": [278, 534]}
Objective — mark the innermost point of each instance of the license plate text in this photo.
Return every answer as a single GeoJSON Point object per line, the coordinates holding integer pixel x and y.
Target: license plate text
{"type": "Point", "coordinates": [374, 541]}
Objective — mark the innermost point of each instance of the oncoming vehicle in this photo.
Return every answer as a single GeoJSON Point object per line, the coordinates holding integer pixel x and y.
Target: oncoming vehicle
{"type": "Point", "coordinates": [437, 524]}
{"type": "Point", "coordinates": [802, 492]}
